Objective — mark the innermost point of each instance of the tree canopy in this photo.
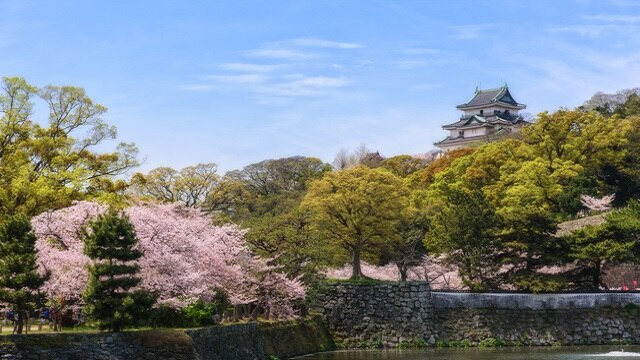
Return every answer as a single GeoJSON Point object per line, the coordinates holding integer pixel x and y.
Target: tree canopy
{"type": "Point", "coordinates": [357, 210]}
{"type": "Point", "coordinates": [47, 163]}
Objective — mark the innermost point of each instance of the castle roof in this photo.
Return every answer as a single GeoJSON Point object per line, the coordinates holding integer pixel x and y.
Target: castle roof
{"type": "Point", "coordinates": [476, 120]}
{"type": "Point", "coordinates": [488, 97]}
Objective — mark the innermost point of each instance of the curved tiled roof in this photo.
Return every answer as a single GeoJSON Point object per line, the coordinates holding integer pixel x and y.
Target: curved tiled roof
{"type": "Point", "coordinates": [500, 95]}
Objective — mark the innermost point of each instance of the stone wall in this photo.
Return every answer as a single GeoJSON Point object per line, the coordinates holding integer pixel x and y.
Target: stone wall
{"type": "Point", "coordinates": [165, 344]}
{"type": "Point", "coordinates": [579, 326]}
{"type": "Point", "coordinates": [531, 301]}
{"type": "Point", "coordinates": [233, 342]}
{"type": "Point", "coordinates": [387, 313]}
{"type": "Point", "coordinates": [399, 314]}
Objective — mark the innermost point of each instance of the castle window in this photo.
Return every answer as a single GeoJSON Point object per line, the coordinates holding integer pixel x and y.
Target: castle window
{"type": "Point", "coordinates": [481, 112]}
{"type": "Point", "coordinates": [461, 134]}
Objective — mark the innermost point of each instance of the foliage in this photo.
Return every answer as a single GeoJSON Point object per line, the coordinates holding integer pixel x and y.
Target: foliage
{"type": "Point", "coordinates": [357, 210]}
{"type": "Point", "coordinates": [427, 175]}
{"type": "Point", "coordinates": [409, 251]}
{"type": "Point", "coordinates": [110, 297]}
{"type": "Point", "coordinates": [269, 187]}
{"type": "Point", "coordinates": [185, 258]}
{"type": "Point", "coordinates": [20, 280]}
{"type": "Point", "coordinates": [47, 166]}
{"type": "Point", "coordinates": [404, 165]}
{"type": "Point", "coordinates": [532, 183]}
{"type": "Point", "coordinates": [199, 313]}
{"type": "Point", "coordinates": [291, 240]}
{"type": "Point", "coordinates": [491, 343]}
{"type": "Point", "coordinates": [191, 185]}
{"type": "Point", "coordinates": [609, 104]}
{"type": "Point", "coordinates": [528, 246]}
{"type": "Point", "coordinates": [615, 241]}
{"type": "Point", "coordinates": [465, 232]}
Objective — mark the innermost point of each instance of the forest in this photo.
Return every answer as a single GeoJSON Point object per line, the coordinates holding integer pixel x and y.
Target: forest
{"type": "Point", "coordinates": [187, 247]}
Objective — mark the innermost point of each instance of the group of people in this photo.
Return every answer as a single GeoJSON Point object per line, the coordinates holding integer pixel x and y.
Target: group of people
{"type": "Point", "coordinates": [9, 316]}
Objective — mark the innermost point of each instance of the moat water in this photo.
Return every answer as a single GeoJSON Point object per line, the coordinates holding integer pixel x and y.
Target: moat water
{"type": "Point", "coordinates": [520, 353]}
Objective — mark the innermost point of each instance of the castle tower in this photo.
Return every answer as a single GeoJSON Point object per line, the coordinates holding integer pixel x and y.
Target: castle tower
{"type": "Point", "coordinates": [489, 114]}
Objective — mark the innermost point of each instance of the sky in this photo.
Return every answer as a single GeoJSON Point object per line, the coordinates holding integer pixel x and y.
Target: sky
{"type": "Point", "coordinates": [236, 82]}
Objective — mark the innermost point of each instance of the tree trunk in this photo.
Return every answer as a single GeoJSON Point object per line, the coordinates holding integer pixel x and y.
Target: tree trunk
{"type": "Point", "coordinates": [596, 275]}
{"type": "Point", "coordinates": [403, 272]}
{"type": "Point", "coordinates": [19, 320]}
{"type": "Point", "coordinates": [356, 273]}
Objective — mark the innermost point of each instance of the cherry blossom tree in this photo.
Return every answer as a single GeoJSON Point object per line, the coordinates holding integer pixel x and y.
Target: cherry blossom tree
{"type": "Point", "coordinates": [185, 258]}
{"type": "Point", "coordinates": [597, 204]}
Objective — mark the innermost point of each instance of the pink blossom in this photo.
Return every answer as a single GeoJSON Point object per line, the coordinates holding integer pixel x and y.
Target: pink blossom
{"type": "Point", "coordinates": [185, 257]}
{"type": "Point", "coordinates": [597, 204]}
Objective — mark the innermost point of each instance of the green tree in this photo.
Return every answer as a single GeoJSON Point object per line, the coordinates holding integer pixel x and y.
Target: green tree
{"type": "Point", "coordinates": [292, 240]}
{"type": "Point", "coordinates": [404, 165]}
{"type": "Point", "coordinates": [47, 166]}
{"type": "Point", "coordinates": [358, 210]}
{"type": "Point", "coordinates": [266, 188]}
{"type": "Point", "coordinates": [466, 234]}
{"type": "Point", "coordinates": [20, 280]}
{"type": "Point", "coordinates": [110, 243]}
{"type": "Point", "coordinates": [615, 241]}
{"type": "Point", "coordinates": [529, 245]}
{"type": "Point", "coordinates": [631, 106]}
{"type": "Point", "coordinates": [585, 138]}
{"type": "Point", "coordinates": [409, 250]}
{"type": "Point", "coordinates": [191, 185]}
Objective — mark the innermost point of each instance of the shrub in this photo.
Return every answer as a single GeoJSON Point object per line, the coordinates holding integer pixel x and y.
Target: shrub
{"type": "Point", "coordinates": [491, 342]}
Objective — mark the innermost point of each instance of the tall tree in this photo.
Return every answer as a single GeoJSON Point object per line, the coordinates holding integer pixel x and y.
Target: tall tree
{"type": "Point", "coordinates": [20, 281]}
{"type": "Point", "coordinates": [404, 165]}
{"type": "Point", "coordinates": [409, 251]}
{"type": "Point", "coordinates": [47, 166]}
{"type": "Point", "coordinates": [109, 298]}
{"type": "Point", "coordinates": [191, 185]}
{"type": "Point", "coordinates": [358, 210]}
{"type": "Point", "coordinates": [466, 234]}
{"type": "Point", "coordinates": [291, 240]}
{"type": "Point", "coordinates": [615, 241]}
{"type": "Point", "coordinates": [266, 188]}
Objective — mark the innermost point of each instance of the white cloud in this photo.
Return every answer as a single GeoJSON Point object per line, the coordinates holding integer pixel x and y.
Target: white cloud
{"type": "Point", "coordinates": [595, 31]}
{"type": "Point", "coordinates": [196, 87]}
{"type": "Point", "coordinates": [240, 79]}
{"type": "Point", "coordinates": [469, 32]}
{"type": "Point", "coordinates": [411, 64]}
{"type": "Point", "coordinates": [252, 68]}
{"type": "Point", "coordinates": [422, 51]}
{"type": "Point", "coordinates": [322, 43]}
{"type": "Point", "coordinates": [586, 30]}
{"type": "Point", "coordinates": [296, 85]}
{"type": "Point", "coordinates": [319, 81]}
{"type": "Point", "coordinates": [280, 53]}
{"type": "Point", "coordinates": [613, 18]}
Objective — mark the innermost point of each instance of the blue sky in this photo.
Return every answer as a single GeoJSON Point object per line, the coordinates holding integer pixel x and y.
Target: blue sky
{"type": "Point", "coordinates": [235, 82]}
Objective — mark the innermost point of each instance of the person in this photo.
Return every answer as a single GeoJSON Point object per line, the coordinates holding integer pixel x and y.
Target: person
{"type": "Point", "coordinates": [45, 316]}
{"type": "Point", "coordinates": [10, 316]}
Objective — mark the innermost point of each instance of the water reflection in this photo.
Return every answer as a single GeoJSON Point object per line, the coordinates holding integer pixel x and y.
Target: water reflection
{"type": "Point", "coordinates": [539, 353]}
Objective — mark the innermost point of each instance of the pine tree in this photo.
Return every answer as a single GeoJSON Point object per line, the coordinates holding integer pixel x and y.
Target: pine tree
{"type": "Point", "coordinates": [19, 278]}
{"type": "Point", "coordinates": [110, 243]}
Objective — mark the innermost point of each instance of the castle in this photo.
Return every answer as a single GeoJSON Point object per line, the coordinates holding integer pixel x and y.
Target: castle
{"type": "Point", "coordinates": [488, 115]}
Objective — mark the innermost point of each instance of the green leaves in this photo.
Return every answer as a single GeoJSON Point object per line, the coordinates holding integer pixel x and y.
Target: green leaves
{"type": "Point", "coordinates": [110, 242]}
{"type": "Point", "coordinates": [49, 163]}
{"type": "Point", "coordinates": [358, 211]}
{"type": "Point", "coordinates": [20, 279]}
